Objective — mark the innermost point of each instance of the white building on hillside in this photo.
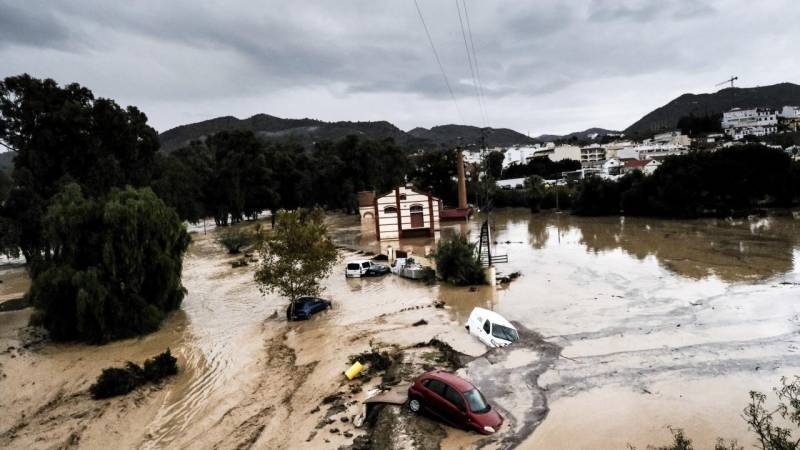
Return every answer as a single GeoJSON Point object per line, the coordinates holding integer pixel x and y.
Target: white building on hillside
{"type": "Point", "coordinates": [670, 137]}
{"type": "Point", "coordinates": [592, 156]}
{"type": "Point", "coordinates": [739, 123]}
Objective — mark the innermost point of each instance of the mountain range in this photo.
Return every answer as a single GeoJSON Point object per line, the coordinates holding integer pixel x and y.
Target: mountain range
{"type": "Point", "coordinates": [307, 131]}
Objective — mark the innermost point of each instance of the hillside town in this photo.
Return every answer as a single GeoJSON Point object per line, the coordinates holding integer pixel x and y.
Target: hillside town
{"type": "Point", "coordinates": [621, 155]}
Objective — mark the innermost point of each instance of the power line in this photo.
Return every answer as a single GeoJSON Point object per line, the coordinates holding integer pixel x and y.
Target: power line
{"type": "Point", "coordinates": [475, 60]}
{"type": "Point", "coordinates": [439, 62]}
{"type": "Point", "coordinates": [471, 67]}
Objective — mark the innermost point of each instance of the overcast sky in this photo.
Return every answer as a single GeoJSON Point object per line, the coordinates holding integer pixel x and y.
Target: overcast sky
{"type": "Point", "coordinates": [545, 66]}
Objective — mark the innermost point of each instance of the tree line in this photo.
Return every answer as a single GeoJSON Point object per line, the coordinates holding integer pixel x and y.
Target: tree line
{"type": "Point", "coordinates": [726, 182]}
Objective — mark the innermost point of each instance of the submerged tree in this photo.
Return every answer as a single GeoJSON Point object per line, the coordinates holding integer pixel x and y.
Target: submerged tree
{"type": "Point", "coordinates": [457, 263]}
{"type": "Point", "coordinates": [295, 255]}
{"type": "Point", "coordinates": [115, 269]}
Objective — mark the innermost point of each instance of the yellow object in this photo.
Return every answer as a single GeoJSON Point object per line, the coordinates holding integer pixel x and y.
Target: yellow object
{"type": "Point", "coordinates": [354, 370]}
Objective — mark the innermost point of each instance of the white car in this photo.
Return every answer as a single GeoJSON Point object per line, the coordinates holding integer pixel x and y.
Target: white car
{"type": "Point", "coordinates": [491, 328]}
{"type": "Point", "coordinates": [364, 268]}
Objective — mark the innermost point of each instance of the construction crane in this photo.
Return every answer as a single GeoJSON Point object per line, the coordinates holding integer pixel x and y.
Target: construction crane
{"type": "Point", "coordinates": [731, 80]}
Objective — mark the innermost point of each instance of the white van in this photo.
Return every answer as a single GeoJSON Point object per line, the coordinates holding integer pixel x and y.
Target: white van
{"type": "Point", "coordinates": [491, 328]}
{"type": "Point", "coordinates": [364, 268]}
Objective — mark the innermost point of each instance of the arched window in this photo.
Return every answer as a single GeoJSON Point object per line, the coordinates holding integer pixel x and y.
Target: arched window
{"type": "Point", "coordinates": [416, 208]}
{"type": "Point", "coordinates": [390, 210]}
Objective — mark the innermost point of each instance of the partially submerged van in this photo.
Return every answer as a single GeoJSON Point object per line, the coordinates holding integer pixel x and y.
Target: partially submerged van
{"type": "Point", "coordinates": [491, 328]}
{"type": "Point", "coordinates": [364, 268]}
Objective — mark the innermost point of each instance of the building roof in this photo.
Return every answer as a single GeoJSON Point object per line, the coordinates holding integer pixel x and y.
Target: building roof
{"type": "Point", "coordinates": [410, 188]}
{"type": "Point", "coordinates": [636, 163]}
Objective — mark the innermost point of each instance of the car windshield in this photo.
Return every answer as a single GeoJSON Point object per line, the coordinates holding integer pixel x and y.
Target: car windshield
{"type": "Point", "coordinates": [477, 403]}
{"type": "Point", "coordinates": [353, 266]}
{"type": "Point", "coordinates": [502, 332]}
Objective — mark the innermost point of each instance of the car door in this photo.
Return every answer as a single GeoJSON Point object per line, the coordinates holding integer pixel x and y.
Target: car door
{"type": "Point", "coordinates": [456, 412]}
{"type": "Point", "coordinates": [434, 397]}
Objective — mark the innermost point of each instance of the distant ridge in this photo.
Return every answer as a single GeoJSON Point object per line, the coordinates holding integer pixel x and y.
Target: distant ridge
{"type": "Point", "coordinates": [580, 135]}
{"type": "Point", "coordinates": [667, 116]}
{"type": "Point", "coordinates": [307, 131]}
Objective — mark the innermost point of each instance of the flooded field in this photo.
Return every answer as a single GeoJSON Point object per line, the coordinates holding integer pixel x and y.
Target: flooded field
{"type": "Point", "coordinates": [629, 326]}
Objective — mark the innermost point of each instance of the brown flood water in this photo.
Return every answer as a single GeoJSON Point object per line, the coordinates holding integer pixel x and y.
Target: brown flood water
{"type": "Point", "coordinates": [659, 323]}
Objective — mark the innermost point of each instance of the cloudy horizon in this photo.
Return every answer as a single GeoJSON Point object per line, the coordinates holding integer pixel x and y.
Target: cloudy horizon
{"type": "Point", "coordinates": [545, 67]}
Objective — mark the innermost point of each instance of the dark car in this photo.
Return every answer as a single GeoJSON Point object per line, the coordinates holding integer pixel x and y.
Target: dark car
{"type": "Point", "coordinates": [304, 307]}
{"type": "Point", "coordinates": [453, 400]}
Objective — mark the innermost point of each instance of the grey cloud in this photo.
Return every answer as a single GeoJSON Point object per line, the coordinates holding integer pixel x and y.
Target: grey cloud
{"type": "Point", "coordinates": [186, 56]}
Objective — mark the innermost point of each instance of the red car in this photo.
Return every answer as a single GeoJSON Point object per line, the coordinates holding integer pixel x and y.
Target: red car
{"type": "Point", "coordinates": [453, 400]}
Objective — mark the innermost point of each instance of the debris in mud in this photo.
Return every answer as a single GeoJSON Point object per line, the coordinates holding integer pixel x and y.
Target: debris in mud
{"type": "Point", "coordinates": [438, 304]}
{"type": "Point", "coordinates": [420, 322]}
{"type": "Point", "coordinates": [448, 353]}
{"type": "Point", "coordinates": [505, 279]}
{"type": "Point", "coordinates": [378, 360]}
{"type": "Point", "coordinates": [239, 263]}
{"type": "Point", "coordinates": [332, 398]}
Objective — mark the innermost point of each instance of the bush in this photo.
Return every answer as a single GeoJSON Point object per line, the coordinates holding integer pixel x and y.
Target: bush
{"type": "Point", "coordinates": [160, 366]}
{"type": "Point", "coordinates": [115, 267]}
{"type": "Point", "coordinates": [457, 263]}
{"type": "Point", "coordinates": [115, 381]}
{"type": "Point", "coordinates": [234, 239]}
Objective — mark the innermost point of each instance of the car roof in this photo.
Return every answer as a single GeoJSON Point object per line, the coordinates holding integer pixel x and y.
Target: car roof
{"type": "Point", "coordinates": [357, 261]}
{"type": "Point", "coordinates": [492, 316]}
{"type": "Point", "coordinates": [456, 382]}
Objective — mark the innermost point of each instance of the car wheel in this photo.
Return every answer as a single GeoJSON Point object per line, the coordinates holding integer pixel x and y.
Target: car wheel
{"type": "Point", "coordinates": [415, 405]}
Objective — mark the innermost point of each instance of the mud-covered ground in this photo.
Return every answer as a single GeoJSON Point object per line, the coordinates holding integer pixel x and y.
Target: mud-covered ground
{"type": "Point", "coordinates": [628, 326]}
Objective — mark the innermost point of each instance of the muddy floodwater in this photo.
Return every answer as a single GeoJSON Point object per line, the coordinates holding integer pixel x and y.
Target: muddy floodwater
{"type": "Point", "coordinates": [628, 326]}
{"type": "Point", "coordinates": [660, 323]}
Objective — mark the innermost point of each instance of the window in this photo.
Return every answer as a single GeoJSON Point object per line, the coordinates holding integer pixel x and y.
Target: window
{"type": "Point", "coordinates": [436, 386]}
{"type": "Point", "coordinates": [416, 208]}
{"type": "Point", "coordinates": [390, 210]}
{"type": "Point", "coordinates": [365, 265]}
{"type": "Point", "coordinates": [503, 332]}
{"type": "Point", "coordinates": [352, 266]}
{"type": "Point", "coordinates": [477, 403]}
{"type": "Point", "coordinates": [455, 398]}
{"type": "Point", "coordinates": [486, 327]}
{"type": "Point", "coordinates": [402, 196]}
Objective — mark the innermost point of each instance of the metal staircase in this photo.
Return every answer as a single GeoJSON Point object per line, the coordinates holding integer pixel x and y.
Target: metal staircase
{"type": "Point", "coordinates": [484, 249]}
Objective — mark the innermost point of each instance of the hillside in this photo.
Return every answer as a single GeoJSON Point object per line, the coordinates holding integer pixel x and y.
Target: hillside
{"type": "Point", "coordinates": [308, 131]}
{"type": "Point", "coordinates": [667, 116]}
{"type": "Point", "coordinates": [305, 131]}
{"type": "Point", "coordinates": [448, 135]}
{"type": "Point", "coordinates": [580, 135]}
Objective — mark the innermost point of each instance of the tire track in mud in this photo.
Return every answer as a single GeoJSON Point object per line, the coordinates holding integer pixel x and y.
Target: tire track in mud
{"type": "Point", "coordinates": [509, 376]}
{"type": "Point", "coordinates": [251, 418]}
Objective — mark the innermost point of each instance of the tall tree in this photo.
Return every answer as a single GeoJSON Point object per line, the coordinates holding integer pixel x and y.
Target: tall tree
{"type": "Point", "coordinates": [295, 255]}
{"type": "Point", "coordinates": [115, 269]}
{"type": "Point", "coordinates": [62, 135]}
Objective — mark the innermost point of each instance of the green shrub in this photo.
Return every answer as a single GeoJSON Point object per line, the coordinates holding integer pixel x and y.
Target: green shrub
{"type": "Point", "coordinates": [160, 366]}
{"type": "Point", "coordinates": [457, 263]}
{"type": "Point", "coordinates": [234, 239]}
{"type": "Point", "coordinates": [114, 381]}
